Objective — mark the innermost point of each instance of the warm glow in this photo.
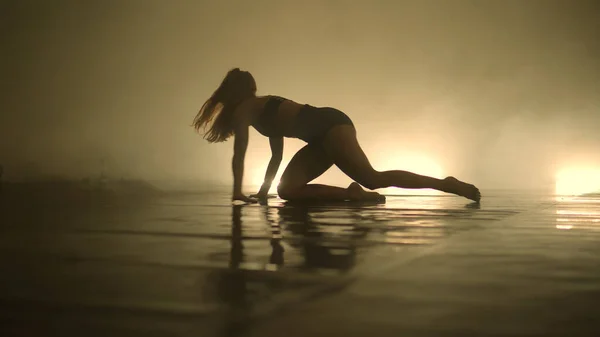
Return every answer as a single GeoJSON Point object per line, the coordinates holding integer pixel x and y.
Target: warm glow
{"type": "Point", "coordinates": [564, 227]}
{"type": "Point", "coordinates": [413, 163]}
{"type": "Point", "coordinates": [257, 176]}
{"type": "Point", "coordinates": [416, 164]}
{"type": "Point", "coordinates": [567, 219]}
{"type": "Point", "coordinates": [578, 181]}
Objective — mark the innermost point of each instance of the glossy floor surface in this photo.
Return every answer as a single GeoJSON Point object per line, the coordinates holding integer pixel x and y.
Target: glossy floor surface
{"type": "Point", "coordinates": [520, 264]}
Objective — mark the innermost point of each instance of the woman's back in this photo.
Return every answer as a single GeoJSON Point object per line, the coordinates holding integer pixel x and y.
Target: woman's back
{"type": "Point", "coordinates": [275, 116]}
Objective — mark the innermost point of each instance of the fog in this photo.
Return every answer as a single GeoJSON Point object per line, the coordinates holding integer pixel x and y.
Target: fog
{"type": "Point", "coordinates": [498, 93]}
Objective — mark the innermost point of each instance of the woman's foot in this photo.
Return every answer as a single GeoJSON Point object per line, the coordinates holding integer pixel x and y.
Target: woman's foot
{"type": "Point", "coordinates": [455, 186]}
{"type": "Point", "coordinates": [357, 193]}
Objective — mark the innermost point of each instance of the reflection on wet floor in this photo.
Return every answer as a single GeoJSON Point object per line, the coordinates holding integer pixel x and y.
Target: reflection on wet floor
{"type": "Point", "coordinates": [578, 213]}
{"type": "Point", "coordinates": [316, 247]}
{"type": "Point", "coordinates": [194, 265]}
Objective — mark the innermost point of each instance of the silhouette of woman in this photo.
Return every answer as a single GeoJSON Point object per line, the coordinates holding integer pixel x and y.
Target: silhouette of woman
{"type": "Point", "coordinates": [331, 140]}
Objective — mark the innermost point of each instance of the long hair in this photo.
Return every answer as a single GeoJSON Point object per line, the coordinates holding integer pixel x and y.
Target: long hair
{"type": "Point", "coordinates": [218, 109]}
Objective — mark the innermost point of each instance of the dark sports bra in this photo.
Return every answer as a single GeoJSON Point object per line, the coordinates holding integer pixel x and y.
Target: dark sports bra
{"type": "Point", "coordinates": [311, 123]}
{"type": "Point", "coordinates": [266, 121]}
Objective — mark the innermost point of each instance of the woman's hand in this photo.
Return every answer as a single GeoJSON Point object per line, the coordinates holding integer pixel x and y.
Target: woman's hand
{"type": "Point", "coordinates": [242, 197]}
{"type": "Point", "coordinates": [260, 195]}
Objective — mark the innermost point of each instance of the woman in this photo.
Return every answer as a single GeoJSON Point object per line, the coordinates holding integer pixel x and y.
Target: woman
{"type": "Point", "coordinates": [330, 136]}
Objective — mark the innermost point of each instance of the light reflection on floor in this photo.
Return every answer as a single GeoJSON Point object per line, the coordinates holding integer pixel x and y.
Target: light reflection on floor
{"type": "Point", "coordinates": [578, 212]}
{"type": "Point", "coordinates": [194, 265]}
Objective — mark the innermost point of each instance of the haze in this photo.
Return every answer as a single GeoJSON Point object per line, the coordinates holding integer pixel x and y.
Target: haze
{"type": "Point", "coordinates": [498, 93]}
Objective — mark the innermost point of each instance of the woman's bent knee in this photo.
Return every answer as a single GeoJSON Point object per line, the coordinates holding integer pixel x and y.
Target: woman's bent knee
{"type": "Point", "coordinates": [285, 191]}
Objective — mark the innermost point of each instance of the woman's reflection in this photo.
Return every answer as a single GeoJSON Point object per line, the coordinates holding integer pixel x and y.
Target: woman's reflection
{"type": "Point", "coordinates": [320, 248]}
{"type": "Point", "coordinates": [305, 231]}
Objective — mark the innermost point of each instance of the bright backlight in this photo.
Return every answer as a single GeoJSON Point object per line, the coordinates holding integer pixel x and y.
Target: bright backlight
{"type": "Point", "coordinates": [415, 164]}
{"type": "Point", "coordinates": [578, 181]}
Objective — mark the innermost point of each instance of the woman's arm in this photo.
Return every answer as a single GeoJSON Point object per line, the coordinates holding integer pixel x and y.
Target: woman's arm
{"type": "Point", "coordinates": [237, 163]}
{"type": "Point", "coordinates": [276, 157]}
{"type": "Point", "coordinates": [239, 153]}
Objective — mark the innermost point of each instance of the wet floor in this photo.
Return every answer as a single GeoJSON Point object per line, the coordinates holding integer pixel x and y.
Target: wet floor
{"type": "Point", "coordinates": [520, 264]}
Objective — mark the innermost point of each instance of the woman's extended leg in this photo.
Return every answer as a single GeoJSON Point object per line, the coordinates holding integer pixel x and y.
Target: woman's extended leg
{"type": "Point", "coordinates": [341, 145]}
{"type": "Point", "coordinates": [308, 164]}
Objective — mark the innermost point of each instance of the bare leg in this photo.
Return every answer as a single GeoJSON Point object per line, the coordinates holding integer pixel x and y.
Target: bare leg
{"type": "Point", "coordinates": [341, 144]}
{"type": "Point", "coordinates": [306, 165]}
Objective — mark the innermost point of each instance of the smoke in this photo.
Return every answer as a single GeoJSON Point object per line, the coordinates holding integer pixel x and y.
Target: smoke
{"type": "Point", "coordinates": [500, 93]}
